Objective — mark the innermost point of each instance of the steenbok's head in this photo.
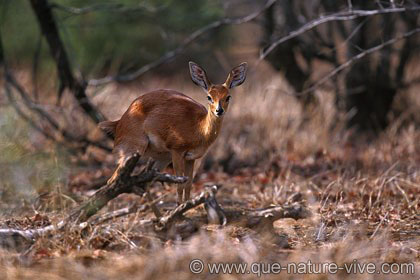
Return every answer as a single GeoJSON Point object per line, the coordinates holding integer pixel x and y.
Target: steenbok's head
{"type": "Point", "coordinates": [218, 95]}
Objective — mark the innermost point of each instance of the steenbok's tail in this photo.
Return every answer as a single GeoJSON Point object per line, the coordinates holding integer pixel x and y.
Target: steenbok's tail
{"type": "Point", "coordinates": [109, 127]}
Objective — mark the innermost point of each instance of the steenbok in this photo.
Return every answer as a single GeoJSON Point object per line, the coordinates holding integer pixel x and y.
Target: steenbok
{"type": "Point", "coordinates": [169, 126]}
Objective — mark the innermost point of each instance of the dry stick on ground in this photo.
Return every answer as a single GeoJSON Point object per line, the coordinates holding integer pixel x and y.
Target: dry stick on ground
{"type": "Point", "coordinates": [119, 213]}
{"type": "Point", "coordinates": [214, 211]}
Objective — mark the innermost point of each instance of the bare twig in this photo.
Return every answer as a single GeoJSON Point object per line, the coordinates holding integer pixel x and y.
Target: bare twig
{"type": "Point", "coordinates": [206, 195]}
{"type": "Point", "coordinates": [9, 79]}
{"type": "Point", "coordinates": [379, 225]}
{"type": "Point", "coordinates": [349, 37]}
{"type": "Point", "coordinates": [187, 41]}
{"type": "Point", "coordinates": [29, 120]}
{"type": "Point", "coordinates": [357, 57]}
{"type": "Point", "coordinates": [119, 213]}
{"type": "Point", "coordinates": [340, 16]}
{"type": "Point", "coordinates": [109, 7]}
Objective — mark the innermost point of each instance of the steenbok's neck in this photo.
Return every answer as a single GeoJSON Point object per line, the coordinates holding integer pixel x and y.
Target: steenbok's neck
{"type": "Point", "coordinates": [211, 126]}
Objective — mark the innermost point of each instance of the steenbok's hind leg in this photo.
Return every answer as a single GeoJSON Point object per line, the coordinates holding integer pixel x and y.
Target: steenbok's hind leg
{"type": "Point", "coordinates": [125, 151]}
{"type": "Point", "coordinates": [126, 147]}
{"type": "Point", "coordinates": [122, 157]}
{"type": "Point", "coordinates": [179, 166]}
{"type": "Point", "coordinates": [189, 172]}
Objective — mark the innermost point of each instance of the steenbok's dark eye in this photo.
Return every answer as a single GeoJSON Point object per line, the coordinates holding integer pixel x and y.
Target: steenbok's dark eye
{"type": "Point", "coordinates": [228, 98]}
{"type": "Point", "coordinates": [209, 98]}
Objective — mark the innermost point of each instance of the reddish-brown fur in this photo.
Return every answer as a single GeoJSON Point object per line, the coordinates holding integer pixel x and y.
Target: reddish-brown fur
{"type": "Point", "coordinates": [172, 116]}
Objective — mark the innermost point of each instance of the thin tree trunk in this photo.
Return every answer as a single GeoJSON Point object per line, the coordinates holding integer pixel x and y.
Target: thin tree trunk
{"type": "Point", "coordinates": [49, 29]}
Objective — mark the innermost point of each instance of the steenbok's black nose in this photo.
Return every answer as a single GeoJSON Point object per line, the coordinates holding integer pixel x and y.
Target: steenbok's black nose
{"type": "Point", "coordinates": [219, 111]}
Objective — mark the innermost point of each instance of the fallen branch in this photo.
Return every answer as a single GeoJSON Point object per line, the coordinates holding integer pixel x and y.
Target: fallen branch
{"type": "Point", "coordinates": [258, 217]}
{"type": "Point", "coordinates": [124, 183]}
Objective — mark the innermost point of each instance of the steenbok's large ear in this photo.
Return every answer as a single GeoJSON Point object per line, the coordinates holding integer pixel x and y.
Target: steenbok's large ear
{"type": "Point", "coordinates": [237, 76]}
{"type": "Point", "coordinates": [198, 75]}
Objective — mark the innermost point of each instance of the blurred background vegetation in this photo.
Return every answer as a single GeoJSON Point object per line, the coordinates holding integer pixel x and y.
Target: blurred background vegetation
{"type": "Point", "coordinates": [107, 36]}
